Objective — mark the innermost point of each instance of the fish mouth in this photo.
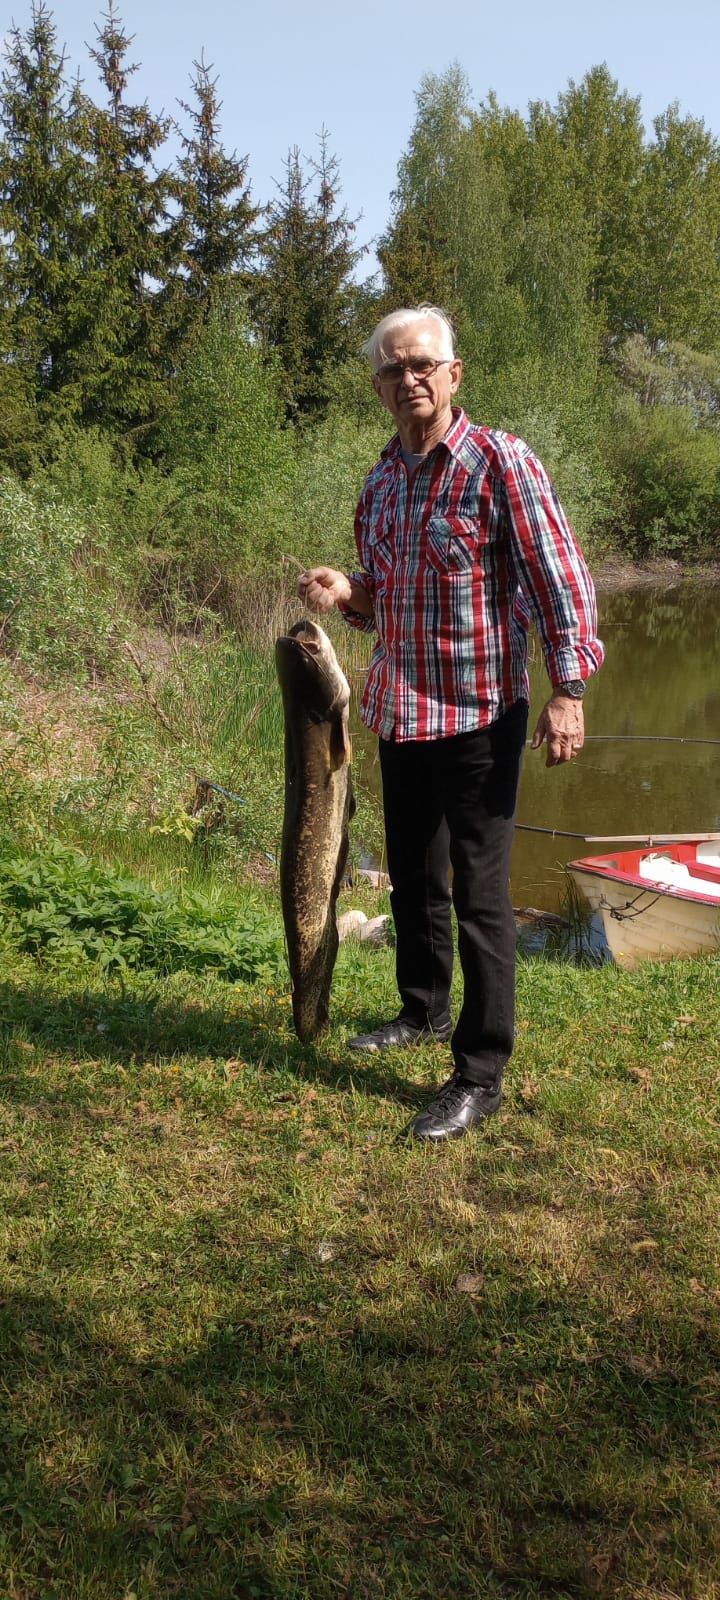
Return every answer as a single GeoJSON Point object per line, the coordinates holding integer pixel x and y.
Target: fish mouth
{"type": "Point", "coordinates": [309, 636]}
{"type": "Point", "coordinates": [310, 642]}
{"type": "Point", "coordinates": [311, 645]}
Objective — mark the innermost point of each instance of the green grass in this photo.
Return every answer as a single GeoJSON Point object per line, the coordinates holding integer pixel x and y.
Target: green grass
{"type": "Point", "coordinates": [254, 1344]}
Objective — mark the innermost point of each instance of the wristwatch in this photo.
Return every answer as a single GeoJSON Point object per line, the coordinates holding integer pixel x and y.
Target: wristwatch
{"type": "Point", "coordinates": [575, 688]}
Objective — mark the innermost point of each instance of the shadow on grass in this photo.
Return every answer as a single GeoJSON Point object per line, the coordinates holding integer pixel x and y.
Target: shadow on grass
{"type": "Point", "coordinates": [280, 1460]}
{"type": "Point", "coordinates": [93, 1024]}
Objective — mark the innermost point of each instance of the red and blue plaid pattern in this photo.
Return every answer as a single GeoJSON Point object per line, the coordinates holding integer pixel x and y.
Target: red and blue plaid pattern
{"type": "Point", "coordinates": [457, 560]}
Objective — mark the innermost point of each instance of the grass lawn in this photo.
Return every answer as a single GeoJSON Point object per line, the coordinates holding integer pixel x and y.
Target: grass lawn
{"type": "Point", "coordinates": [256, 1345]}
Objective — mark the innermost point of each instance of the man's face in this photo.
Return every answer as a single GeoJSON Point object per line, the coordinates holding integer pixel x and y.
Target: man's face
{"type": "Point", "coordinates": [410, 399]}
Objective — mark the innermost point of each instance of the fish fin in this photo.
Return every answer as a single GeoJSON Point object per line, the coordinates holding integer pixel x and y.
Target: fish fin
{"type": "Point", "coordinates": [340, 741]}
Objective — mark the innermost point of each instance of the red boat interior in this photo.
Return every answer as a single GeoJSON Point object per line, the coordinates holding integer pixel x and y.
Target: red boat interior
{"type": "Point", "coordinates": [626, 864]}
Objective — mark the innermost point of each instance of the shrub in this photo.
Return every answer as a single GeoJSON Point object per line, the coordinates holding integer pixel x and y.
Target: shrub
{"type": "Point", "coordinates": [224, 439]}
{"type": "Point", "coordinates": [57, 902]}
{"type": "Point", "coordinates": [670, 470]}
{"type": "Point", "coordinates": [331, 464]}
{"type": "Point", "coordinates": [94, 474]}
{"type": "Point", "coordinates": [60, 608]}
{"type": "Point", "coordinates": [560, 412]}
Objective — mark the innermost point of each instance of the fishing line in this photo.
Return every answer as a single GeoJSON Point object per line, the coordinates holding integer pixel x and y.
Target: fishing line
{"type": "Point", "coordinates": [641, 738]}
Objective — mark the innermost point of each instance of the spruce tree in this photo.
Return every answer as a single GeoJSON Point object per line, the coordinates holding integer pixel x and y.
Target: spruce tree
{"type": "Point", "coordinates": [129, 247]}
{"type": "Point", "coordinates": [43, 190]}
{"type": "Point", "coordinates": [304, 298]}
{"type": "Point", "coordinates": [213, 228]}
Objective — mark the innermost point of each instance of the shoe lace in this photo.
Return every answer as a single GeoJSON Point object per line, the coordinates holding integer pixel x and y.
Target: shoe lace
{"type": "Point", "coordinates": [452, 1094]}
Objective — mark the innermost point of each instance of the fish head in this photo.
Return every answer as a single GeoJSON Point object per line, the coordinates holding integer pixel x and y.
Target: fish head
{"type": "Point", "coordinates": [311, 679]}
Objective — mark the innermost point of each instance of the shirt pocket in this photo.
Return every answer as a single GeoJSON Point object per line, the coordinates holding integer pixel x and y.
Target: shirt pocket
{"type": "Point", "coordinates": [452, 543]}
{"type": "Point", "coordinates": [381, 546]}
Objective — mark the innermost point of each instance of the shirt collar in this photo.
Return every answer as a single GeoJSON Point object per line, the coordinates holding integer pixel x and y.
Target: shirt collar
{"type": "Point", "coordinates": [452, 441]}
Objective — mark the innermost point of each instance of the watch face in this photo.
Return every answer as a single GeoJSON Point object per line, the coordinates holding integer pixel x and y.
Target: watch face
{"type": "Point", "coordinates": [575, 688]}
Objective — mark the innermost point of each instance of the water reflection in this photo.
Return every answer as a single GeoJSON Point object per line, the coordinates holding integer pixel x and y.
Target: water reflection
{"type": "Point", "coordinates": [661, 676]}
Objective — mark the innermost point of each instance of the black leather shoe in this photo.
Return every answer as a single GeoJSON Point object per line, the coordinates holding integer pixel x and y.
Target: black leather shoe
{"type": "Point", "coordinates": [399, 1033]}
{"type": "Point", "coordinates": [459, 1105]}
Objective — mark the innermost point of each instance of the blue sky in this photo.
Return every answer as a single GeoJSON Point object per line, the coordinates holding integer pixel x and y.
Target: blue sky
{"type": "Point", "coordinates": [286, 69]}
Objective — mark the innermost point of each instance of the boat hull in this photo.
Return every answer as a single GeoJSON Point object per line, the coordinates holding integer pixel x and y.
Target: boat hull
{"type": "Point", "coordinates": [649, 920]}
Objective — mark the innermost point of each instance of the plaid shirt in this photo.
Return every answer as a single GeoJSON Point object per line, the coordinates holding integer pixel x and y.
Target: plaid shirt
{"type": "Point", "coordinates": [457, 560]}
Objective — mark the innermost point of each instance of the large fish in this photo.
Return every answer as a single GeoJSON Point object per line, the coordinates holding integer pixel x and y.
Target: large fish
{"type": "Point", "coordinates": [318, 806]}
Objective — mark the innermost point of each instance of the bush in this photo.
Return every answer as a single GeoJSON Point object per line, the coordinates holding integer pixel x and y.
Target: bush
{"type": "Point", "coordinates": [93, 473]}
{"type": "Point", "coordinates": [57, 902]}
{"type": "Point", "coordinates": [60, 606]}
{"type": "Point", "coordinates": [224, 440]}
{"type": "Point", "coordinates": [331, 464]}
{"type": "Point", "coordinates": [672, 375]}
{"type": "Point", "coordinates": [670, 471]}
{"type": "Point", "coordinates": [561, 413]}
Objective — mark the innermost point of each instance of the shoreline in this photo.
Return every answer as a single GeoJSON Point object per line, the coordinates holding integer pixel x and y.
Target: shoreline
{"type": "Point", "coordinates": [613, 572]}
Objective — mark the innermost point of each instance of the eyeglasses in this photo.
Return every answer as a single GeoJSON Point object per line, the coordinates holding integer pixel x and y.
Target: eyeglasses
{"type": "Point", "coordinates": [420, 367]}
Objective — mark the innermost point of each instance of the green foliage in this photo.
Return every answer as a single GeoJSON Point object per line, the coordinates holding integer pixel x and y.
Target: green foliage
{"type": "Point", "coordinates": [669, 470]}
{"type": "Point", "coordinates": [601, 134]}
{"type": "Point", "coordinates": [548, 239]}
{"type": "Point", "coordinates": [304, 297]}
{"type": "Point", "coordinates": [224, 441]}
{"type": "Point", "coordinates": [672, 374]}
{"type": "Point", "coordinates": [56, 902]}
{"type": "Point", "coordinates": [489, 202]}
{"type": "Point", "coordinates": [59, 604]}
{"type": "Point", "coordinates": [330, 465]}
{"type": "Point", "coordinates": [418, 252]}
{"type": "Point", "coordinates": [574, 255]}
{"type": "Point", "coordinates": [213, 227]}
{"type": "Point", "coordinates": [210, 710]}
{"type": "Point", "coordinates": [90, 472]}
{"type": "Point", "coordinates": [21, 434]}
{"type": "Point", "coordinates": [563, 415]}
{"type": "Point", "coordinates": [43, 178]}
{"type": "Point", "coordinates": [676, 290]}
{"type": "Point", "coordinates": [129, 246]}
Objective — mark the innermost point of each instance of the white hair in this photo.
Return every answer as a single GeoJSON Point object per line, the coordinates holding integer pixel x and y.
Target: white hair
{"type": "Point", "coordinates": [395, 321]}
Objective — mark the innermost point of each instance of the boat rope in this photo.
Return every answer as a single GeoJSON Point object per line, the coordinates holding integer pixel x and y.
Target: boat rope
{"type": "Point", "coordinates": [206, 783]}
{"type": "Point", "coordinates": [627, 913]}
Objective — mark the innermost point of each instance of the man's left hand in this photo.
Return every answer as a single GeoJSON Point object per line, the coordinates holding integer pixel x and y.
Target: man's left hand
{"type": "Point", "coordinates": [562, 724]}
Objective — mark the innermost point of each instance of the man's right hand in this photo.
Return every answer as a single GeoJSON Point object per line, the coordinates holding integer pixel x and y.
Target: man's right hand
{"type": "Point", "coordinates": [320, 588]}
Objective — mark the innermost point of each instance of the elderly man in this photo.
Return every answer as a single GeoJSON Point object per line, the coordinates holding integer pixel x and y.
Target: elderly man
{"type": "Point", "coordinates": [461, 539]}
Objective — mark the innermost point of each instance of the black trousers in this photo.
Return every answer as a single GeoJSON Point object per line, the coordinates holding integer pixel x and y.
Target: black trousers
{"type": "Point", "coordinates": [451, 802]}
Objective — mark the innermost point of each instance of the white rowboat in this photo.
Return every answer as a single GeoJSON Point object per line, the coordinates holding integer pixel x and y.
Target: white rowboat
{"type": "Point", "coordinates": [656, 904]}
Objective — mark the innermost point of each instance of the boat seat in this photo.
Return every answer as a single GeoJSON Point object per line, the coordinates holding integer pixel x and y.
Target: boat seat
{"type": "Point", "coordinates": [676, 874]}
{"type": "Point", "coordinates": [664, 869]}
{"type": "Point", "coordinates": [708, 854]}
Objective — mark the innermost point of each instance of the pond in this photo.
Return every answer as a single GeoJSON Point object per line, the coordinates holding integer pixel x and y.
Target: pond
{"type": "Point", "coordinates": [661, 677]}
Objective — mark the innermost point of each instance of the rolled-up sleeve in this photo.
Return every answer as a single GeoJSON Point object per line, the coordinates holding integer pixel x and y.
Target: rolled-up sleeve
{"type": "Point", "coordinates": [552, 572]}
